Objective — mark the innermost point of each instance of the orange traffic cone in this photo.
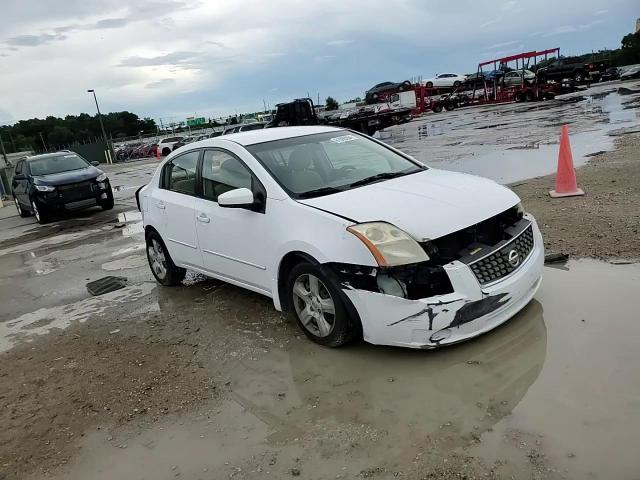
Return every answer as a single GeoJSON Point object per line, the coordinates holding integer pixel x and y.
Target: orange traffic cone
{"type": "Point", "coordinates": [158, 156]}
{"type": "Point", "coordinates": [566, 185]}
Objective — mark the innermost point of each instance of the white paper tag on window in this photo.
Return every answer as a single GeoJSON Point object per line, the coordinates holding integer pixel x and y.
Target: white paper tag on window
{"type": "Point", "coordinates": [344, 138]}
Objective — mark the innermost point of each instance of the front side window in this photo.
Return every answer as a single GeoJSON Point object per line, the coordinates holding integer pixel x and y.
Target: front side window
{"type": "Point", "coordinates": [19, 166]}
{"type": "Point", "coordinates": [222, 172]}
{"type": "Point", "coordinates": [180, 173]}
{"type": "Point", "coordinates": [326, 163]}
{"type": "Point", "coordinates": [57, 164]}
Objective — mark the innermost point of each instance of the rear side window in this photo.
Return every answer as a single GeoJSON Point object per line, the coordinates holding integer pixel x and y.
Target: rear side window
{"type": "Point", "coordinates": [222, 172]}
{"type": "Point", "coordinates": [19, 167]}
{"type": "Point", "coordinates": [180, 173]}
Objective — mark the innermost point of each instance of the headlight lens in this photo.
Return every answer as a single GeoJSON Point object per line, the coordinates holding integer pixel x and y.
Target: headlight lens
{"type": "Point", "coordinates": [101, 178]}
{"type": "Point", "coordinates": [45, 188]}
{"type": "Point", "coordinates": [388, 244]}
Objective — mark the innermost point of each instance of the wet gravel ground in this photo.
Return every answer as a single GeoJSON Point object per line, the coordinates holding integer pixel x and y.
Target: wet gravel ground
{"type": "Point", "coordinates": [208, 381]}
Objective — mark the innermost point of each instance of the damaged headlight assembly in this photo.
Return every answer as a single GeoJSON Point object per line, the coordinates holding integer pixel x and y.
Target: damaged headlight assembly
{"type": "Point", "coordinates": [391, 247]}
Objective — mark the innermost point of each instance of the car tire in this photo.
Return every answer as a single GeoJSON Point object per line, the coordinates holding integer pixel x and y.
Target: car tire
{"type": "Point", "coordinates": [519, 97]}
{"type": "Point", "coordinates": [578, 77]}
{"type": "Point", "coordinates": [307, 305]}
{"type": "Point", "coordinates": [107, 204]}
{"type": "Point", "coordinates": [41, 214]}
{"type": "Point", "coordinates": [21, 211]}
{"type": "Point", "coordinates": [166, 151]}
{"type": "Point", "coordinates": [437, 108]}
{"type": "Point", "coordinates": [429, 85]}
{"type": "Point", "coordinates": [457, 83]}
{"type": "Point", "coordinates": [164, 270]}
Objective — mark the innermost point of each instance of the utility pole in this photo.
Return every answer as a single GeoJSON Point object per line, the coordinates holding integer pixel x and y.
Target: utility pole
{"type": "Point", "coordinates": [4, 154]}
{"type": "Point", "coordinates": [13, 144]}
{"type": "Point", "coordinates": [44, 145]}
{"type": "Point", "coordinates": [104, 133]}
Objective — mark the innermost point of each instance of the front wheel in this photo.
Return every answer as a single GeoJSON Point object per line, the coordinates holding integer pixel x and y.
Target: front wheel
{"type": "Point", "coordinates": [162, 267]}
{"type": "Point", "coordinates": [456, 84]}
{"type": "Point", "coordinates": [107, 204]}
{"type": "Point", "coordinates": [318, 307]}
{"type": "Point", "coordinates": [42, 216]}
{"type": "Point", "coordinates": [429, 85]}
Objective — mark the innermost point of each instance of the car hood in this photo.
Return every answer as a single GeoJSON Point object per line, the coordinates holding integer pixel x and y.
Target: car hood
{"type": "Point", "coordinates": [426, 205]}
{"type": "Point", "coordinates": [71, 176]}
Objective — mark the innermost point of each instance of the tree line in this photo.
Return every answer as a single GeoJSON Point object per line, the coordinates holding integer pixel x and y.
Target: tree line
{"type": "Point", "coordinates": [54, 133]}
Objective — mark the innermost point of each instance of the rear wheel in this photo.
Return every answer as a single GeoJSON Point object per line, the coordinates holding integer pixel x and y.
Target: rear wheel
{"type": "Point", "coordinates": [519, 97]}
{"type": "Point", "coordinates": [162, 267]}
{"type": "Point", "coordinates": [166, 151]}
{"type": "Point", "coordinates": [429, 85]}
{"type": "Point", "coordinates": [318, 307]}
{"type": "Point", "coordinates": [456, 83]}
{"type": "Point", "coordinates": [23, 213]}
{"type": "Point", "coordinates": [437, 108]}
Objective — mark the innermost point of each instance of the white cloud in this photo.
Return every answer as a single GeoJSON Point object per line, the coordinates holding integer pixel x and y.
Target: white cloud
{"type": "Point", "coordinates": [339, 42]}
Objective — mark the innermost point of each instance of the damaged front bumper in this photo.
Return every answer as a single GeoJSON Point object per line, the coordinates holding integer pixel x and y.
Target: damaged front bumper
{"type": "Point", "coordinates": [470, 310]}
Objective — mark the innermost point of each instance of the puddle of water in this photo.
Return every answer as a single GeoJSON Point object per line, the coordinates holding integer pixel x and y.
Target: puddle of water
{"type": "Point", "coordinates": [42, 321]}
{"type": "Point", "coordinates": [522, 143]}
{"type": "Point", "coordinates": [532, 378]}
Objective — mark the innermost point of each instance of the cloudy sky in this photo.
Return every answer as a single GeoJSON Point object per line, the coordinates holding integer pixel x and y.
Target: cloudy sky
{"type": "Point", "coordinates": [176, 58]}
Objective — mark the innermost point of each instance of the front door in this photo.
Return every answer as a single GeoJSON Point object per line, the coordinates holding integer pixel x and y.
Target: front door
{"type": "Point", "coordinates": [232, 240]}
{"type": "Point", "coordinates": [176, 201]}
{"type": "Point", "coordinates": [20, 184]}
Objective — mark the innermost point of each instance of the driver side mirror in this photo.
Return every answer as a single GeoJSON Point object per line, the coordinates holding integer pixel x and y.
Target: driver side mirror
{"type": "Point", "coordinates": [238, 198]}
{"type": "Point", "coordinates": [95, 164]}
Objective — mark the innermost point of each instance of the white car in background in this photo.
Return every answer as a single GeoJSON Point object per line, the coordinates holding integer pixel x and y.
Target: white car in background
{"type": "Point", "coordinates": [445, 80]}
{"type": "Point", "coordinates": [166, 145]}
{"type": "Point", "coordinates": [352, 237]}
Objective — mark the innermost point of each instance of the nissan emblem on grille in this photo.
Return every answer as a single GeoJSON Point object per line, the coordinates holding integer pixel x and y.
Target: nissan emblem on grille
{"type": "Point", "coordinates": [513, 258]}
{"type": "Point", "coordinates": [504, 261]}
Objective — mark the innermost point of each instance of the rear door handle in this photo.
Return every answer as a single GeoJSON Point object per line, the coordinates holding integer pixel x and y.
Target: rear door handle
{"type": "Point", "coordinates": [160, 205]}
{"type": "Point", "coordinates": [203, 218]}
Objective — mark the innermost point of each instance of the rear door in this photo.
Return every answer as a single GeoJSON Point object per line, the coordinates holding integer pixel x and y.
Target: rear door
{"type": "Point", "coordinates": [232, 240]}
{"type": "Point", "coordinates": [175, 199]}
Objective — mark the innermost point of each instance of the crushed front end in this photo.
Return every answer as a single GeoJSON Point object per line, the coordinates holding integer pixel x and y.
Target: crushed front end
{"type": "Point", "coordinates": [475, 280]}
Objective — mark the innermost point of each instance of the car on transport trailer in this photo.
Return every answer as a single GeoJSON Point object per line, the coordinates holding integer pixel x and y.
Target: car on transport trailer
{"type": "Point", "coordinates": [349, 235]}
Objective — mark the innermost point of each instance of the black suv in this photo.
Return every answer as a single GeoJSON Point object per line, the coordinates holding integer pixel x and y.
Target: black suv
{"type": "Point", "coordinates": [572, 68]}
{"type": "Point", "coordinates": [43, 184]}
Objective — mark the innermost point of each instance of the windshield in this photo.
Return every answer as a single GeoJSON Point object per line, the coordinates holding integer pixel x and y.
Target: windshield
{"type": "Point", "coordinates": [57, 164]}
{"type": "Point", "coordinates": [325, 163]}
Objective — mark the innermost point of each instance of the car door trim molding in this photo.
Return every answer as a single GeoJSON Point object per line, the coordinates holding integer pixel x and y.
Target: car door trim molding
{"type": "Point", "coordinates": [233, 259]}
{"type": "Point", "coordinates": [183, 243]}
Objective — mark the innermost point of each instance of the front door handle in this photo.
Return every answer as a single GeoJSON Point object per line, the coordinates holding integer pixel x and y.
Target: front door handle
{"type": "Point", "coordinates": [203, 218]}
{"type": "Point", "coordinates": [160, 205]}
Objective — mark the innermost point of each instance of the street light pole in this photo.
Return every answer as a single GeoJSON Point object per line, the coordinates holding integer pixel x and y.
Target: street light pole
{"type": "Point", "coordinates": [104, 133]}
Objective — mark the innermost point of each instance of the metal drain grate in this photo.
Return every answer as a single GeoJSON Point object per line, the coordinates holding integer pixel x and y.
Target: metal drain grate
{"type": "Point", "coordinates": [106, 284]}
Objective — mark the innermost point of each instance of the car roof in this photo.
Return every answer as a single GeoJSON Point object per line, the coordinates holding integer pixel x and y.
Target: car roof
{"type": "Point", "coordinates": [49, 155]}
{"type": "Point", "coordinates": [270, 134]}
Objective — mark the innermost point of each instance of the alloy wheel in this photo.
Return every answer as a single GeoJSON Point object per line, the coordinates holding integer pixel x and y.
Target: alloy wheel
{"type": "Point", "coordinates": [35, 210]}
{"type": "Point", "coordinates": [313, 304]}
{"type": "Point", "coordinates": [157, 259]}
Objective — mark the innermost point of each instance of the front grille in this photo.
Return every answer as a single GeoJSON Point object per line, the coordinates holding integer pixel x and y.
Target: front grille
{"type": "Point", "coordinates": [496, 265]}
{"type": "Point", "coordinates": [76, 191]}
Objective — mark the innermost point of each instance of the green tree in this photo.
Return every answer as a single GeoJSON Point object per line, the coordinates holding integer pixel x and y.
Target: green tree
{"type": "Point", "coordinates": [331, 103]}
{"type": "Point", "coordinates": [60, 137]}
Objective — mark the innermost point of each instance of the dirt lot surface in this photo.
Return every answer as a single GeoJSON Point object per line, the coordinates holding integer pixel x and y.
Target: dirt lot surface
{"type": "Point", "coordinates": [605, 223]}
{"type": "Point", "coordinates": [207, 381]}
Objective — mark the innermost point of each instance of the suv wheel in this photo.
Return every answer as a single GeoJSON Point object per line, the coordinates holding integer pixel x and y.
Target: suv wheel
{"type": "Point", "coordinates": [40, 213]}
{"type": "Point", "coordinates": [578, 77]}
{"type": "Point", "coordinates": [318, 307]}
{"type": "Point", "coordinates": [162, 267]}
{"type": "Point", "coordinates": [23, 213]}
{"type": "Point", "coordinates": [107, 204]}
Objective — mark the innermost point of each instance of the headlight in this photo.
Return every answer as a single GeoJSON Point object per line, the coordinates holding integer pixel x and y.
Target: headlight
{"type": "Point", "coordinates": [45, 188]}
{"type": "Point", "coordinates": [388, 244]}
{"type": "Point", "coordinates": [101, 178]}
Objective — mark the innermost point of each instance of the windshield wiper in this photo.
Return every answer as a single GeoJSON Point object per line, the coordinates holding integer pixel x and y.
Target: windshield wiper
{"type": "Point", "coordinates": [379, 176]}
{"type": "Point", "coordinates": [318, 192]}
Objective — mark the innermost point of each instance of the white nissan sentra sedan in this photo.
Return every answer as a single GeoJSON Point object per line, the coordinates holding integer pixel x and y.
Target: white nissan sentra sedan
{"type": "Point", "coordinates": [352, 237]}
